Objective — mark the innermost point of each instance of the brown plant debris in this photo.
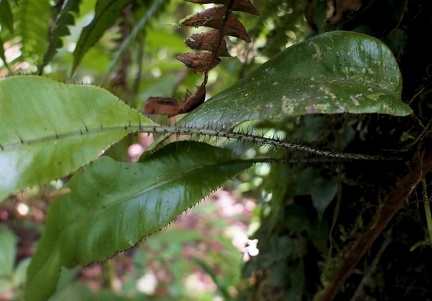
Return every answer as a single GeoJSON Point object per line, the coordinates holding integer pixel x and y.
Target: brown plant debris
{"type": "Point", "coordinates": [338, 9]}
{"type": "Point", "coordinates": [209, 46]}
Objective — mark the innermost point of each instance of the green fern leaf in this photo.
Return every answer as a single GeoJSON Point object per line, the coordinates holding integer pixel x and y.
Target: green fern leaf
{"type": "Point", "coordinates": [113, 205]}
{"type": "Point", "coordinates": [333, 73]}
{"type": "Point", "coordinates": [32, 20]}
{"type": "Point", "coordinates": [6, 17]}
{"type": "Point", "coordinates": [49, 129]}
{"type": "Point", "coordinates": [154, 9]}
{"type": "Point", "coordinates": [106, 13]}
{"type": "Point", "coordinates": [59, 29]}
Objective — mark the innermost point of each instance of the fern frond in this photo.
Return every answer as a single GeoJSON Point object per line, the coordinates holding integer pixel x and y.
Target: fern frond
{"type": "Point", "coordinates": [31, 23]}
{"type": "Point", "coordinates": [239, 5]}
{"type": "Point", "coordinates": [6, 16]}
{"type": "Point", "coordinates": [154, 9]}
{"type": "Point", "coordinates": [106, 13]}
{"type": "Point", "coordinates": [224, 22]}
{"type": "Point", "coordinates": [6, 27]}
{"type": "Point", "coordinates": [59, 29]}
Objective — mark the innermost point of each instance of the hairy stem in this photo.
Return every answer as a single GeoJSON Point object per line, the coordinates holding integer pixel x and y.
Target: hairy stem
{"type": "Point", "coordinates": [261, 140]}
{"type": "Point", "coordinates": [191, 131]}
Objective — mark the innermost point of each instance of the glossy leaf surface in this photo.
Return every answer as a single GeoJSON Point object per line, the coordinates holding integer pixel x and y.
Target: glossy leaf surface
{"type": "Point", "coordinates": [336, 72]}
{"type": "Point", "coordinates": [113, 205]}
{"type": "Point", "coordinates": [50, 129]}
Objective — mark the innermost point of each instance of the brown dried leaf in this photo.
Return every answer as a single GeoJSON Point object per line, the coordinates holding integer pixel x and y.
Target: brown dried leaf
{"type": "Point", "coordinates": [194, 100]}
{"type": "Point", "coordinates": [199, 62]}
{"type": "Point", "coordinates": [170, 107]}
{"type": "Point", "coordinates": [215, 18]}
{"type": "Point", "coordinates": [161, 105]}
{"type": "Point", "coordinates": [337, 10]}
{"type": "Point", "coordinates": [239, 5]}
{"type": "Point", "coordinates": [209, 41]}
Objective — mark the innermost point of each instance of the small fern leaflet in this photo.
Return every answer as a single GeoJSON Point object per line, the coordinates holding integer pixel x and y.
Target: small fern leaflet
{"type": "Point", "coordinates": [33, 18]}
{"type": "Point", "coordinates": [59, 29]}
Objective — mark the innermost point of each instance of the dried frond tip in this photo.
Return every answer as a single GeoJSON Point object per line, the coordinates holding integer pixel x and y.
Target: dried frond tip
{"type": "Point", "coordinates": [210, 47]}
{"type": "Point", "coordinates": [221, 19]}
{"type": "Point", "coordinates": [199, 61]}
{"type": "Point", "coordinates": [239, 5]}
{"type": "Point", "coordinates": [208, 41]}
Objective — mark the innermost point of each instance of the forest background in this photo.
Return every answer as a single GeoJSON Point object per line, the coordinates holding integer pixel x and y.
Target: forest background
{"type": "Point", "coordinates": [297, 225]}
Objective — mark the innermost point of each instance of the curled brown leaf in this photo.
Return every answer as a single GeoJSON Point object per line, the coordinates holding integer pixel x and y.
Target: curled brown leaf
{"type": "Point", "coordinates": [194, 100]}
{"type": "Point", "coordinates": [209, 41]}
{"type": "Point", "coordinates": [161, 105]}
{"type": "Point", "coordinates": [239, 5]}
{"type": "Point", "coordinates": [199, 61]}
{"type": "Point", "coordinates": [221, 19]}
{"type": "Point", "coordinates": [170, 107]}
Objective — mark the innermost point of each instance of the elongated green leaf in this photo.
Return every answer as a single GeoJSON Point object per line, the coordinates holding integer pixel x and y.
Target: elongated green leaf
{"type": "Point", "coordinates": [106, 13]}
{"type": "Point", "coordinates": [60, 29]}
{"type": "Point", "coordinates": [50, 129]}
{"type": "Point", "coordinates": [336, 72]}
{"type": "Point", "coordinates": [6, 17]}
{"type": "Point", "coordinates": [113, 205]}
